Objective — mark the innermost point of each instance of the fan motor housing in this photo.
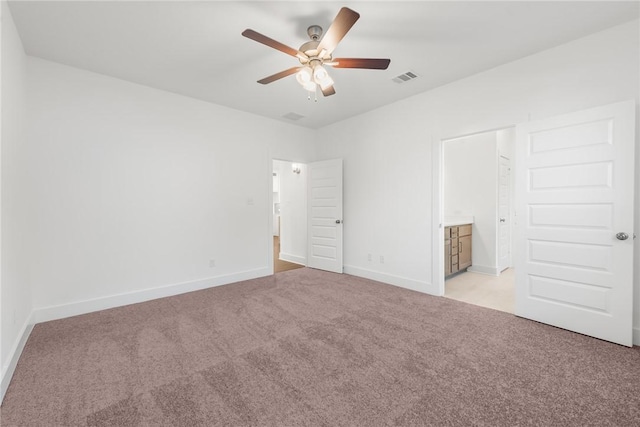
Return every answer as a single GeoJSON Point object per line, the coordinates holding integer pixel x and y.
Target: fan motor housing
{"type": "Point", "coordinates": [315, 32]}
{"type": "Point", "coordinates": [310, 48]}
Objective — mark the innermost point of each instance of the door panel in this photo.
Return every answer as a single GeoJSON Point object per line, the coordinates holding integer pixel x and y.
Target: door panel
{"type": "Point", "coordinates": [575, 189]}
{"type": "Point", "coordinates": [324, 210]}
{"type": "Point", "coordinates": [504, 217]}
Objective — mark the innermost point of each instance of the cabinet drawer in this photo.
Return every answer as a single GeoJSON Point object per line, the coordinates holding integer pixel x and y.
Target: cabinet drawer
{"type": "Point", "coordinates": [454, 259]}
{"type": "Point", "coordinates": [450, 232]}
{"type": "Point", "coordinates": [464, 230]}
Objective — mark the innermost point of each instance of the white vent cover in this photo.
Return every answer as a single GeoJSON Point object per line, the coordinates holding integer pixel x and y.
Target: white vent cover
{"type": "Point", "coordinates": [293, 116]}
{"type": "Point", "coordinates": [409, 75]}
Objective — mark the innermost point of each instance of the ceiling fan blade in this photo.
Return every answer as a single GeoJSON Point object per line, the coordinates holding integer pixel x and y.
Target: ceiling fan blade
{"type": "Point", "coordinates": [260, 38]}
{"type": "Point", "coordinates": [368, 63]}
{"type": "Point", "coordinates": [328, 91]}
{"type": "Point", "coordinates": [279, 75]}
{"type": "Point", "coordinates": [339, 27]}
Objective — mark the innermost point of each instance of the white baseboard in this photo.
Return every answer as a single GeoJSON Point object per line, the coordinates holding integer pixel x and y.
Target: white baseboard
{"type": "Point", "coordinates": [636, 336]}
{"type": "Point", "coordinates": [45, 314]}
{"type": "Point", "coordinates": [482, 269]}
{"type": "Point", "coordinates": [403, 282]}
{"type": "Point", "coordinates": [293, 258]}
{"type": "Point", "coordinates": [14, 356]}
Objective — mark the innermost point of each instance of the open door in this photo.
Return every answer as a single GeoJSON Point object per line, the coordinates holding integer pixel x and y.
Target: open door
{"type": "Point", "coordinates": [504, 214]}
{"type": "Point", "coordinates": [575, 234]}
{"type": "Point", "coordinates": [324, 222]}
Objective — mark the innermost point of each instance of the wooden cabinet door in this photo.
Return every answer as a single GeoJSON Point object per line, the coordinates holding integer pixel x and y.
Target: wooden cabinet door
{"type": "Point", "coordinates": [464, 230]}
{"type": "Point", "coordinates": [447, 257]}
{"type": "Point", "coordinates": [464, 252]}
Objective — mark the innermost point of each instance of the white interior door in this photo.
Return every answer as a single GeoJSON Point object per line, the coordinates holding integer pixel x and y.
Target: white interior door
{"type": "Point", "coordinates": [325, 215]}
{"type": "Point", "coordinates": [575, 194]}
{"type": "Point", "coordinates": [504, 217]}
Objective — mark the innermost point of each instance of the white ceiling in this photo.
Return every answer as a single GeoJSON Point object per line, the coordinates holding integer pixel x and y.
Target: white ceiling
{"type": "Point", "coordinates": [196, 49]}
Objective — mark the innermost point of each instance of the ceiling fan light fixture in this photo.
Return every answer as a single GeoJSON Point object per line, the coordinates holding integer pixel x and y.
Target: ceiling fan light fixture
{"type": "Point", "coordinates": [321, 77]}
{"type": "Point", "coordinates": [310, 86]}
{"type": "Point", "coordinates": [318, 52]}
{"type": "Point", "coordinates": [304, 76]}
{"type": "Point", "coordinates": [319, 73]}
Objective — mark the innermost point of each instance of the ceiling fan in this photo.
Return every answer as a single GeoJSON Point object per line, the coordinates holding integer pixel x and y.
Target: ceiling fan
{"type": "Point", "coordinates": [315, 54]}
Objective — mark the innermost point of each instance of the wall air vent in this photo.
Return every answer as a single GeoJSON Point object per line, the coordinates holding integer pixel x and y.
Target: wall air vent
{"type": "Point", "coordinates": [409, 75]}
{"type": "Point", "coordinates": [293, 116]}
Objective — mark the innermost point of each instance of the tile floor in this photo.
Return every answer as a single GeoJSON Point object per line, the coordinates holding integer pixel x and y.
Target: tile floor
{"type": "Point", "coordinates": [484, 290]}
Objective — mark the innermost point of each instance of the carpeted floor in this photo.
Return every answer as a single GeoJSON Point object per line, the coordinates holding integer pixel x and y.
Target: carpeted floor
{"type": "Point", "coordinates": [306, 347]}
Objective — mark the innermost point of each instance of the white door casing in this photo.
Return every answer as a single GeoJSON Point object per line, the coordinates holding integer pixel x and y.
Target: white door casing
{"type": "Point", "coordinates": [575, 193]}
{"type": "Point", "coordinates": [324, 241]}
{"type": "Point", "coordinates": [504, 211]}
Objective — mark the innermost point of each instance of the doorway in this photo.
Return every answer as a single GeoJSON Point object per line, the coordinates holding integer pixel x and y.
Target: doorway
{"type": "Point", "coordinates": [289, 213]}
{"type": "Point", "coordinates": [478, 218]}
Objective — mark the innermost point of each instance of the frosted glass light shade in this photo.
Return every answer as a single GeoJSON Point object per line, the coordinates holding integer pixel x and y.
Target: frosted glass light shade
{"type": "Point", "coordinates": [304, 75]}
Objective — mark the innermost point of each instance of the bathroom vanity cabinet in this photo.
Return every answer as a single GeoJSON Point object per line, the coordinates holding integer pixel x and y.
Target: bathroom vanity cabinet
{"type": "Point", "coordinates": [457, 248]}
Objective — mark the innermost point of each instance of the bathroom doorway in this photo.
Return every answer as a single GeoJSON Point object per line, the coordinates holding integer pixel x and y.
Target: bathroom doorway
{"type": "Point", "coordinates": [478, 218]}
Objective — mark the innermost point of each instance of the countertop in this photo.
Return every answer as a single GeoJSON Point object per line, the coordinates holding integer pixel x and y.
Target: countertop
{"type": "Point", "coordinates": [457, 220]}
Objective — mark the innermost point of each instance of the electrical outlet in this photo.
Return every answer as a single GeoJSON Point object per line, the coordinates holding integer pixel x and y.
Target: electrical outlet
{"type": "Point", "coordinates": [369, 258]}
{"type": "Point", "coordinates": [212, 263]}
{"type": "Point", "coordinates": [381, 259]}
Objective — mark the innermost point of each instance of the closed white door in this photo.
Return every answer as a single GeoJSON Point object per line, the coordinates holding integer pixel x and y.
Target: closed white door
{"type": "Point", "coordinates": [575, 233]}
{"type": "Point", "coordinates": [504, 218]}
{"type": "Point", "coordinates": [325, 215]}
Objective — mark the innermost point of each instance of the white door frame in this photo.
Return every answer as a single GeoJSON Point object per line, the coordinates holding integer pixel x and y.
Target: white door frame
{"type": "Point", "coordinates": [438, 203]}
{"type": "Point", "coordinates": [508, 224]}
{"type": "Point", "coordinates": [270, 208]}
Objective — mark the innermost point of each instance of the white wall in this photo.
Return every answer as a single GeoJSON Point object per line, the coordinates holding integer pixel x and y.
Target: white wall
{"type": "Point", "coordinates": [135, 190]}
{"type": "Point", "coordinates": [392, 189]}
{"type": "Point", "coordinates": [114, 193]}
{"type": "Point", "coordinates": [470, 189]}
{"type": "Point", "coordinates": [15, 295]}
{"type": "Point", "coordinates": [293, 212]}
{"type": "Point", "coordinates": [506, 142]}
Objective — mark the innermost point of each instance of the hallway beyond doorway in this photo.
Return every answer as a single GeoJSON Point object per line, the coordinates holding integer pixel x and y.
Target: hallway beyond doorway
{"type": "Point", "coordinates": [278, 264]}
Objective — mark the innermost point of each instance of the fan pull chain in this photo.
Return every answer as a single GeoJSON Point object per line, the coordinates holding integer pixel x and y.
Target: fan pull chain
{"type": "Point", "coordinates": [315, 94]}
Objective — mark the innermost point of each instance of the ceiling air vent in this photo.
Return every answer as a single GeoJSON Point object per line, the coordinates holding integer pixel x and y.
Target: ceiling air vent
{"type": "Point", "coordinates": [293, 116]}
{"type": "Point", "coordinates": [409, 75]}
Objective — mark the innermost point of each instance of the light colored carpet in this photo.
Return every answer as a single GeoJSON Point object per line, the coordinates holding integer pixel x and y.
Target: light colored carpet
{"type": "Point", "coordinates": [310, 348]}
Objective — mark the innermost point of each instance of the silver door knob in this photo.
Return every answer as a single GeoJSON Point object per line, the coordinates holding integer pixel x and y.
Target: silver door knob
{"type": "Point", "coordinates": [622, 236]}
{"type": "Point", "coordinates": [338, 221]}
